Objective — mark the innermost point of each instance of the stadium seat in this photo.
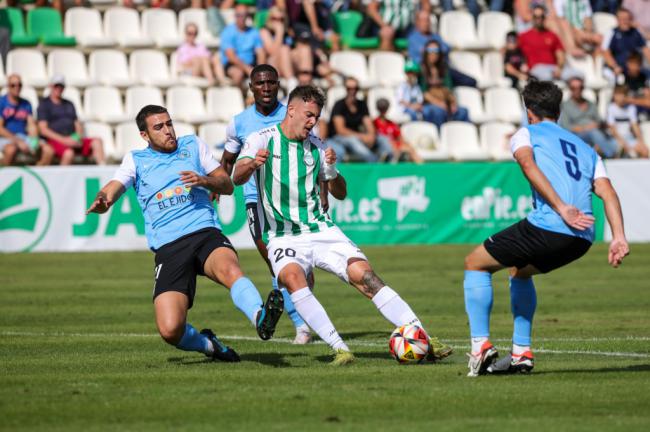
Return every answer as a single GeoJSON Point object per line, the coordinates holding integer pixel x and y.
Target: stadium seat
{"type": "Point", "coordinates": [394, 112]}
{"type": "Point", "coordinates": [587, 69]}
{"type": "Point", "coordinates": [70, 63]}
{"type": "Point", "coordinates": [3, 77]}
{"type": "Point", "coordinates": [85, 24]}
{"type": "Point", "coordinates": [423, 136]}
{"type": "Point", "coordinates": [469, 63]}
{"type": "Point", "coordinates": [45, 23]}
{"type": "Point", "coordinates": [183, 129]}
{"type": "Point", "coordinates": [29, 64]}
{"type": "Point", "coordinates": [104, 104]}
{"type": "Point", "coordinates": [127, 138]}
{"type": "Point", "coordinates": [604, 99]}
{"type": "Point", "coordinates": [351, 63]}
{"type": "Point", "coordinates": [587, 93]}
{"type": "Point", "coordinates": [504, 104]}
{"type": "Point", "coordinates": [259, 20]}
{"type": "Point", "coordinates": [386, 68]}
{"type": "Point", "coordinates": [12, 18]}
{"type": "Point", "coordinates": [73, 95]}
{"type": "Point", "coordinates": [495, 138]}
{"type": "Point", "coordinates": [461, 139]}
{"type": "Point", "coordinates": [123, 25]}
{"type": "Point", "coordinates": [28, 93]}
{"type": "Point", "coordinates": [105, 132]}
{"type": "Point", "coordinates": [214, 135]}
{"type": "Point", "coordinates": [161, 26]}
{"type": "Point", "coordinates": [150, 67]}
{"type": "Point", "coordinates": [493, 27]}
{"type": "Point", "coordinates": [604, 22]}
{"type": "Point", "coordinates": [334, 94]}
{"type": "Point", "coordinates": [109, 67]}
{"type": "Point", "coordinates": [198, 17]}
{"type": "Point", "coordinates": [186, 104]}
{"type": "Point", "coordinates": [185, 79]}
{"type": "Point", "coordinates": [645, 132]}
{"type": "Point", "coordinates": [224, 102]}
{"type": "Point", "coordinates": [493, 70]}
{"type": "Point", "coordinates": [346, 24]}
{"type": "Point", "coordinates": [457, 28]}
{"type": "Point", "coordinates": [139, 96]}
{"type": "Point", "coordinates": [470, 98]}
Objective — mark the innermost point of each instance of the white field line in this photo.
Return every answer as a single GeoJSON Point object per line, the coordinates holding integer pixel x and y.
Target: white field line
{"type": "Point", "coordinates": [374, 344]}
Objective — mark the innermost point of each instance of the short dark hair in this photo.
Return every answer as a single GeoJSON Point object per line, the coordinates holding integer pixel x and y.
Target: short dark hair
{"type": "Point", "coordinates": [543, 98]}
{"type": "Point", "coordinates": [635, 57]}
{"type": "Point", "coordinates": [146, 111]}
{"type": "Point", "coordinates": [263, 68]}
{"type": "Point", "coordinates": [308, 93]}
{"type": "Point", "coordinates": [382, 104]}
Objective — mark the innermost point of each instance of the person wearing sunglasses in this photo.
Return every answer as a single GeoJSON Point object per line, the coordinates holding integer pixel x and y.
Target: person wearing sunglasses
{"type": "Point", "coordinates": [277, 45]}
{"type": "Point", "coordinates": [192, 57]}
{"type": "Point", "coordinates": [18, 132]}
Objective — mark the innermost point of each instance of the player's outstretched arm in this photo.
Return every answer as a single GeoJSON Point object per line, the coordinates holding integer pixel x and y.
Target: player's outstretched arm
{"type": "Point", "coordinates": [570, 214]}
{"type": "Point", "coordinates": [106, 197]}
{"type": "Point", "coordinates": [217, 181]}
{"type": "Point", "coordinates": [245, 167]}
{"type": "Point", "coordinates": [618, 248]}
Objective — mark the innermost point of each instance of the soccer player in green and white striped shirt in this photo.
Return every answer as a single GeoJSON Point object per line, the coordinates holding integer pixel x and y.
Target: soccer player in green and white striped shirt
{"type": "Point", "coordinates": [288, 162]}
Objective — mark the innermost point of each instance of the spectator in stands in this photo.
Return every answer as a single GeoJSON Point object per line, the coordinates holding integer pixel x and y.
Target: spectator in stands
{"type": "Point", "coordinates": [393, 19]}
{"type": "Point", "coordinates": [420, 35]}
{"type": "Point", "coordinates": [436, 66]}
{"type": "Point", "coordinates": [624, 126]}
{"type": "Point", "coordinates": [580, 116]}
{"type": "Point", "coordinates": [543, 50]}
{"type": "Point", "coordinates": [472, 6]}
{"type": "Point", "coordinates": [18, 132]}
{"type": "Point", "coordinates": [637, 80]}
{"type": "Point", "coordinates": [575, 21]}
{"type": "Point", "coordinates": [514, 62]}
{"type": "Point", "coordinates": [639, 9]}
{"type": "Point", "coordinates": [241, 47]}
{"type": "Point", "coordinates": [391, 130]}
{"type": "Point", "coordinates": [193, 57]}
{"type": "Point", "coordinates": [409, 93]}
{"type": "Point", "coordinates": [352, 131]}
{"type": "Point", "coordinates": [59, 125]}
{"type": "Point", "coordinates": [276, 42]}
{"type": "Point", "coordinates": [314, 16]}
{"type": "Point", "coordinates": [620, 43]}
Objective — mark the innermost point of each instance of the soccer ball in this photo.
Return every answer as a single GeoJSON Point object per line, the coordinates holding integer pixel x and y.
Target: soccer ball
{"type": "Point", "coordinates": [409, 344]}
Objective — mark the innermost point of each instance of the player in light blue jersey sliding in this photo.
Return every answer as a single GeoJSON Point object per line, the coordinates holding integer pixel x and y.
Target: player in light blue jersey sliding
{"type": "Point", "coordinates": [173, 179]}
{"type": "Point", "coordinates": [266, 111]}
{"type": "Point", "coordinates": [563, 172]}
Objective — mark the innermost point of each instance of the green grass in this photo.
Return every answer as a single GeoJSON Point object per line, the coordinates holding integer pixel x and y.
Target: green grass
{"type": "Point", "coordinates": [79, 351]}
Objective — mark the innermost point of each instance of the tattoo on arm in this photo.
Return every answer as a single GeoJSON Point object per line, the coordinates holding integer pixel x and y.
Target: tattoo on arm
{"type": "Point", "coordinates": [371, 283]}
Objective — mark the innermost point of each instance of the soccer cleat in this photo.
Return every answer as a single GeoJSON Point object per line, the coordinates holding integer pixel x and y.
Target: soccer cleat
{"type": "Point", "coordinates": [342, 357]}
{"type": "Point", "coordinates": [512, 364]}
{"type": "Point", "coordinates": [219, 350]}
{"type": "Point", "coordinates": [438, 350]}
{"type": "Point", "coordinates": [479, 362]}
{"type": "Point", "coordinates": [303, 336]}
{"type": "Point", "coordinates": [267, 318]}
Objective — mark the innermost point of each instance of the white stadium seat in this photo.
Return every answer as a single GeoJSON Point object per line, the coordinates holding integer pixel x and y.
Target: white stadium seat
{"type": "Point", "coordinates": [334, 94]}
{"type": "Point", "coordinates": [3, 77]}
{"type": "Point", "coordinates": [183, 129]}
{"type": "Point", "coordinates": [123, 25]}
{"type": "Point", "coordinates": [161, 26]}
{"type": "Point", "coordinates": [214, 135]}
{"type": "Point", "coordinates": [457, 28]}
{"type": "Point", "coordinates": [386, 68]}
{"type": "Point", "coordinates": [104, 104]}
{"type": "Point", "coordinates": [127, 138]}
{"type": "Point", "coordinates": [224, 102]}
{"type": "Point", "coordinates": [70, 63]}
{"type": "Point", "coordinates": [197, 16]}
{"type": "Point", "coordinates": [469, 63]}
{"type": "Point", "coordinates": [461, 139]}
{"type": "Point", "coordinates": [504, 104]}
{"type": "Point", "coordinates": [493, 27]}
{"type": "Point", "coordinates": [105, 132]}
{"type": "Point", "coordinates": [495, 138]}
{"type": "Point", "coordinates": [186, 104]}
{"type": "Point", "coordinates": [73, 95]}
{"type": "Point", "coordinates": [645, 132]}
{"type": "Point", "coordinates": [470, 98]}
{"type": "Point", "coordinates": [604, 22]}
{"type": "Point", "coordinates": [150, 67]}
{"type": "Point", "coordinates": [587, 68]}
{"type": "Point", "coordinates": [139, 96]}
{"type": "Point", "coordinates": [351, 63]}
{"type": "Point", "coordinates": [394, 113]}
{"type": "Point", "coordinates": [85, 24]}
{"type": "Point", "coordinates": [493, 70]}
{"type": "Point", "coordinates": [604, 99]}
{"type": "Point", "coordinates": [423, 136]}
{"type": "Point", "coordinates": [29, 64]}
{"type": "Point", "coordinates": [109, 67]}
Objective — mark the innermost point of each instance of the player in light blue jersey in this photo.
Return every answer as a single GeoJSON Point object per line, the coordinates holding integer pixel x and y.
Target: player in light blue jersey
{"type": "Point", "coordinates": [265, 112]}
{"type": "Point", "coordinates": [173, 179]}
{"type": "Point", "coordinates": [563, 172]}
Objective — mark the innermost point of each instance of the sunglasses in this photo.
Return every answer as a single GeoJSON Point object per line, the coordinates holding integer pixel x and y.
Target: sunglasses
{"type": "Point", "coordinates": [539, 17]}
{"type": "Point", "coordinates": [14, 85]}
{"type": "Point", "coordinates": [576, 88]}
{"type": "Point", "coordinates": [190, 33]}
{"type": "Point", "coordinates": [352, 89]}
{"type": "Point", "coordinates": [433, 50]}
{"type": "Point", "coordinates": [59, 86]}
{"type": "Point", "coordinates": [276, 18]}
{"type": "Point", "coordinates": [241, 15]}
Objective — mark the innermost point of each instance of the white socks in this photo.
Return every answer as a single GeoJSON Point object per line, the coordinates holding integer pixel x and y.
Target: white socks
{"type": "Point", "coordinates": [477, 343]}
{"type": "Point", "coordinates": [315, 316]}
{"type": "Point", "coordinates": [518, 350]}
{"type": "Point", "coordinates": [394, 309]}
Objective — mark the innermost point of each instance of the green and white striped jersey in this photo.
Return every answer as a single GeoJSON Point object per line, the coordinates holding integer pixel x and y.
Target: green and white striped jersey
{"type": "Point", "coordinates": [288, 183]}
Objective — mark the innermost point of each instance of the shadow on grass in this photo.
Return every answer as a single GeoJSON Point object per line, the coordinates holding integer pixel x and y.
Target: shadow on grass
{"type": "Point", "coordinates": [633, 368]}
{"type": "Point", "coordinates": [269, 359]}
{"type": "Point", "coordinates": [373, 356]}
{"type": "Point", "coordinates": [371, 334]}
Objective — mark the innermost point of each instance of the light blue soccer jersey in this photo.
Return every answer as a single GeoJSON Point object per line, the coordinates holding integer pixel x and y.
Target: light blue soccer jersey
{"type": "Point", "coordinates": [570, 166]}
{"type": "Point", "coordinates": [245, 123]}
{"type": "Point", "coordinates": [171, 209]}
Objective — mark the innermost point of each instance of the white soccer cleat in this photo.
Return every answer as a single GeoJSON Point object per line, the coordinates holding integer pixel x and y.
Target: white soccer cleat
{"type": "Point", "coordinates": [479, 362]}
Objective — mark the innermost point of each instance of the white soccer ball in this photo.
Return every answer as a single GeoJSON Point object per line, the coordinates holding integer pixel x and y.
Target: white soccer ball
{"type": "Point", "coordinates": [409, 344]}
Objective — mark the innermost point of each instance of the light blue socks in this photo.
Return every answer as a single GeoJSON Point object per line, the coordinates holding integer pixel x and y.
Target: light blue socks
{"type": "Point", "coordinates": [289, 308]}
{"type": "Point", "coordinates": [193, 340]}
{"type": "Point", "coordinates": [523, 300]}
{"type": "Point", "coordinates": [246, 297]}
{"type": "Point", "coordinates": [478, 301]}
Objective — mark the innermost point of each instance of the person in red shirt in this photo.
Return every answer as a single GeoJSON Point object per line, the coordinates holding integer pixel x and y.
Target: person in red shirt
{"type": "Point", "coordinates": [544, 51]}
{"type": "Point", "coordinates": [391, 130]}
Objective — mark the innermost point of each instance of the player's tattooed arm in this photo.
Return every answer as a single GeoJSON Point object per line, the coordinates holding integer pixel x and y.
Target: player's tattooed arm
{"type": "Point", "coordinates": [218, 181]}
{"type": "Point", "coordinates": [106, 197]}
{"type": "Point", "coordinates": [371, 283]}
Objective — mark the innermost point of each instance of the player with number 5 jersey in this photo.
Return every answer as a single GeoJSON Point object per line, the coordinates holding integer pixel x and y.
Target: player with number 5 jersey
{"type": "Point", "coordinates": [563, 171]}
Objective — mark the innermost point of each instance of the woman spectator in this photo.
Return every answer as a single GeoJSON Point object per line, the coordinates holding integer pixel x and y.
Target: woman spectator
{"type": "Point", "coordinates": [192, 57]}
{"type": "Point", "coordinates": [276, 42]}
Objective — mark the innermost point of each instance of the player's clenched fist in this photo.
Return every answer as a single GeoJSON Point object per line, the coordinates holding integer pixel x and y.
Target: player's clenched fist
{"type": "Point", "coordinates": [330, 156]}
{"type": "Point", "coordinates": [261, 157]}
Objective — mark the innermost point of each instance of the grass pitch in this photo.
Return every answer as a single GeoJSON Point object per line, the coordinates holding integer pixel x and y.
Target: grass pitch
{"type": "Point", "coordinates": [79, 351]}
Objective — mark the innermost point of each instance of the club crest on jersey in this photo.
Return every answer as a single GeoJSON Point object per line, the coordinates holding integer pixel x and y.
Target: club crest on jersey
{"type": "Point", "coordinates": [183, 154]}
{"type": "Point", "coordinates": [309, 159]}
